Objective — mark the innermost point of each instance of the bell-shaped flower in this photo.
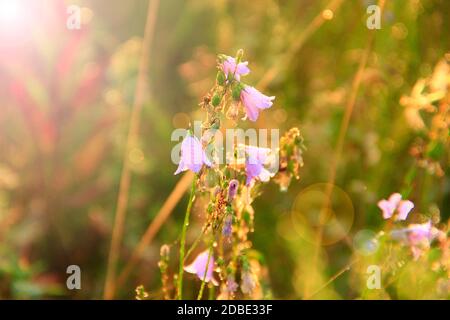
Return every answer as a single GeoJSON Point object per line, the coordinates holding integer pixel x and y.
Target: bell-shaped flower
{"type": "Point", "coordinates": [254, 164]}
{"type": "Point", "coordinates": [192, 155]}
{"type": "Point", "coordinates": [229, 66]}
{"type": "Point", "coordinates": [395, 204]}
{"type": "Point", "coordinates": [254, 101]}
{"type": "Point", "coordinates": [199, 266]}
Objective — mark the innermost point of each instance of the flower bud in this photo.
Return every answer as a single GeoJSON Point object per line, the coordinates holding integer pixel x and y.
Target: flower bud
{"type": "Point", "coordinates": [220, 78]}
{"type": "Point", "coordinates": [232, 189]}
{"type": "Point", "coordinates": [239, 55]}
{"type": "Point", "coordinates": [215, 101]}
{"type": "Point", "coordinates": [164, 251]}
{"type": "Point", "coordinates": [215, 124]}
{"type": "Point", "coordinates": [236, 92]}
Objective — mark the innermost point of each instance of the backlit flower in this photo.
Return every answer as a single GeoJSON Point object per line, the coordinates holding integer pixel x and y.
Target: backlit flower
{"type": "Point", "coordinates": [192, 155]}
{"type": "Point", "coordinates": [395, 204]}
{"type": "Point", "coordinates": [229, 66]}
{"type": "Point", "coordinates": [198, 267]}
{"type": "Point", "coordinates": [254, 164]}
{"type": "Point", "coordinates": [254, 101]}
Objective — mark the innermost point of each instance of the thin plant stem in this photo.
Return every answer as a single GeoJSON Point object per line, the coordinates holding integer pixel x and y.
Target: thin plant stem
{"type": "Point", "coordinates": [333, 278]}
{"type": "Point", "coordinates": [183, 241]}
{"type": "Point", "coordinates": [349, 107]}
{"type": "Point", "coordinates": [194, 244]}
{"type": "Point", "coordinates": [298, 42]}
{"type": "Point", "coordinates": [211, 293]}
{"type": "Point", "coordinates": [202, 287]}
{"type": "Point", "coordinates": [155, 225]}
{"type": "Point", "coordinates": [125, 179]}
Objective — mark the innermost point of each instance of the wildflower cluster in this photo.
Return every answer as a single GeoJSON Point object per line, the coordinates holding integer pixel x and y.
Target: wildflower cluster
{"type": "Point", "coordinates": [412, 253]}
{"type": "Point", "coordinates": [418, 237]}
{"type": "Point", "coordinates": [228, 190]}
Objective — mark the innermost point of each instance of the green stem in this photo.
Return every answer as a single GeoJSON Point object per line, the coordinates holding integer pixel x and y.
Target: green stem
{"type": "Point", "coordinates": [211, 293]}
{"type": "Point", "coordinates": [183, 240]}
{"type": "Point", "coordinates": [194, 244]}
{"type": "Point", "coordinates": [202, 287]}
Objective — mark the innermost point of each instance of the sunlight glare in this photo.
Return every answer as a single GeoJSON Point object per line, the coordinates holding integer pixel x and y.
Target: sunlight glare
{"type": "Point", "coordinates": [11, 13]}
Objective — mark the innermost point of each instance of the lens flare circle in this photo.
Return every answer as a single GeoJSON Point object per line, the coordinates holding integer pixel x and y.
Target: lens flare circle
{"type": "Point", "coordinates": [316, 219]}
{"type": "Point", "coordinates": [365, 242]}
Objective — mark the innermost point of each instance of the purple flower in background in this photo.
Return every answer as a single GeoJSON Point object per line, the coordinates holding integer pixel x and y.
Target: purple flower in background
{"type": "Point", "coordinates": [420, 233]}
{"type": "Point", "coordinates": [417, 236]}
{"type": "Point", "coordinates": [229, 66]}
{"type": "Point", "coordinates": [254, 164]}
{"type": "Point", "coordinates": [254, 101]}
{"type": "Point", "coordinates": [248, 283]}
{"type": "Point", "coordinates": [198, 267]}
{"type": "Point", "coordinates": [420, 237]}
{"type": "Point", "coordinates": [231, 284]}
{"type": "Point", "coordinates": [192, 155]}
{"type": "Point", "coordinates": [414, 234]}
{"type": "Point", "coordinates": [395, 204]}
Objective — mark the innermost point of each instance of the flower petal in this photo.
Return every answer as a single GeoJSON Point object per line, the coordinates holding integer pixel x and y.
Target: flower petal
{"type": "Point", "coordinates": [387, 208]}
{"type": "Point", "coordinates": [404, 207]}
{"type": "Point", "coordinates": [229, 67]}
{"type": "Point", "coordinates": [198, 267]}
{"type": "Point", "coordinates": [254, 101]}
{"type": "Point", "coordinates": [395, 199]}
{"type": "Point", "coordinates": [181, 167]}
{"type": "Point", "coordinates": [192, 155]}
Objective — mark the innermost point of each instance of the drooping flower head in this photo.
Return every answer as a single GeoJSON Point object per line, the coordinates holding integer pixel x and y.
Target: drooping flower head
{"type": "Point", "coordinates": [229, 66]}
{"type": "Point", "coordinates": [395, 204]}
{"type": "Point", "coordinates": [192, 155]}
{"type": "Point", "coordinates": [198, 267]}
{"type": "Point", "coordinates": [254, 101]}
{"type": "Point", "coordinates": [254, 164]}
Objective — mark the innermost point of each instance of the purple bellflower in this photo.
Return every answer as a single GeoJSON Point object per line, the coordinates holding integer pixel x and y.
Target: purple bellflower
{"type": "Point", "coordinates": [192, 155]}
{"type": "Point", "coordinates": [254, 101]}
{"type": "Point", "coordinates": [198, 267]}
{"type": "Point", "coordinates": [254, 164]}
{"type": "Point", "coordinates": [229, 66]}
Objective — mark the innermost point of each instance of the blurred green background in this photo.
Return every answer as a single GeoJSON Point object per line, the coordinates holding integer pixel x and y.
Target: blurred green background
{"type": "Point", "coordinates": [66, 96]}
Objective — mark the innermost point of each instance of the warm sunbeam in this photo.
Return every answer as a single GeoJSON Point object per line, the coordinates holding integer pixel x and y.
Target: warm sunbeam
{"type": "Point", "coordinates": [12, 13]}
